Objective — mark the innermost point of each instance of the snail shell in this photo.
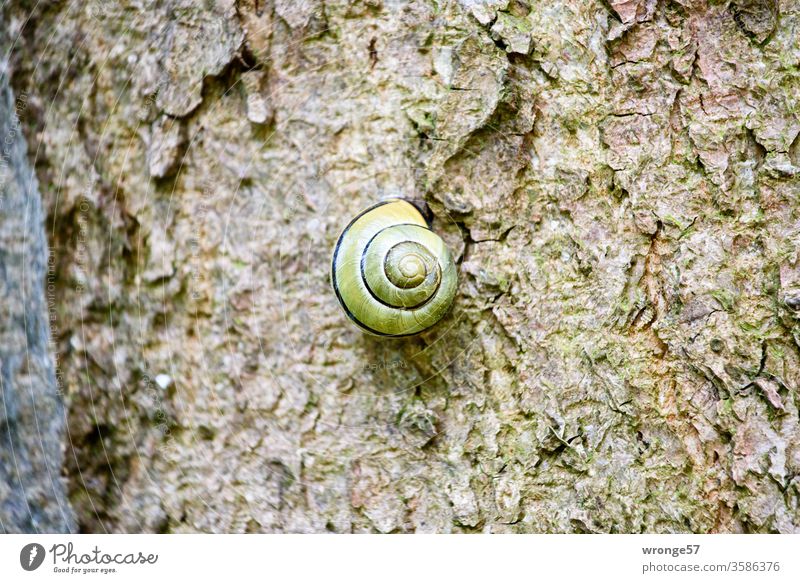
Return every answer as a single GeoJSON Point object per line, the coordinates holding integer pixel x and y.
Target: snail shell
{"type": "Point", "coordinates": [392, 275]}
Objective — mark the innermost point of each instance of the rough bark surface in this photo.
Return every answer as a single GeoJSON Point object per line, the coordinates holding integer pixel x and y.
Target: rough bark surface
{"type": "Point", "coordinates": [32, 493]}
{"type": "Point", "coordinates": [619, 180]}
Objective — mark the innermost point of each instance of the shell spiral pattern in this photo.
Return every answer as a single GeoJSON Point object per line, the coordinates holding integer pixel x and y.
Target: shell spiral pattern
{"type": "Point", "coordinates": [392, 275]}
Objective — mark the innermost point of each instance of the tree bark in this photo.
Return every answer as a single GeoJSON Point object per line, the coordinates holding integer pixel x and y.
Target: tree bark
{"type": "Point", "coordinates": [618, 180]}
{"type": "Point", "coordinates": [32, 494]}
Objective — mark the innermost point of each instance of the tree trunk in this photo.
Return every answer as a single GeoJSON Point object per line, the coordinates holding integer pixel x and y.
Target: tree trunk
{"type": "Point", "coordinates": [32, 494]}
{"type": "Point", "coordinates": [620, 183]}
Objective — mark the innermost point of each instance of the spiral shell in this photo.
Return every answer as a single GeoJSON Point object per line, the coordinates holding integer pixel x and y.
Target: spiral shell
{"type": "Point", "coordinates": [392, 275]}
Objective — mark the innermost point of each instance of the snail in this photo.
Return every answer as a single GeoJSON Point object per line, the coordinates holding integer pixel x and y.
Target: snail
{"type": "Point", "coordinates": [392, 275]}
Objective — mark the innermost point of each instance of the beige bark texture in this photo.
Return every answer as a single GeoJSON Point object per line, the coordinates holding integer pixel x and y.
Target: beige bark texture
{"type": "Point", "coordinates": [620, 184]}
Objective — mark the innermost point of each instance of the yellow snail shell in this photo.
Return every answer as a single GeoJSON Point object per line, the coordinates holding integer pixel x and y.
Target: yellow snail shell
{"type": "Point", "coordinates": [392, 275]}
